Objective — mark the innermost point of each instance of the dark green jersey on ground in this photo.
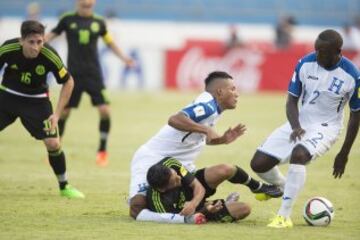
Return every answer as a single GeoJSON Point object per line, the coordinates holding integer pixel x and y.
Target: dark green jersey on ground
{"type": "Point", "coordinates": [82, 34]}
{"type": "Point", "coordinates": [28, 75]}
{"type": "Point", "coordinates": [171, 201]}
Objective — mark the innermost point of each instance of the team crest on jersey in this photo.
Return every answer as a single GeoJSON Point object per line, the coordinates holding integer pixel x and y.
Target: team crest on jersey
{"type": "Point", "coordinates": [95, 27]}
{"type": "Point", "coordinates": [40, 70]}
{"type": "Point", "coordinates": [14, 66]}
{"type": "Point", "coordinates": [73, 25]}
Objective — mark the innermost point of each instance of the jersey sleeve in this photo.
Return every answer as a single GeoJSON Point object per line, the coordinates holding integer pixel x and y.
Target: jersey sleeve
{"type": "Point", "coordinates": [60, 27]}
{"type": "Point", "coordinates": [104, 33]}
{"type": "Point", "coordinates": [355, 98]}
{"type": "Point", "coordinates": [2, 55]}
{"type": "Point", "coordinates": [295, 85]}
{"type": "Point", "coordinates": [2, 61]}
{"type": "Point", "coordinates": [5, 48]}
{"type": "Point", "coordinates": [200, 111]}
{"type": "Point", "coordinates": [186, 177]}
{"type": "Point", "coordinates": [57, 66]}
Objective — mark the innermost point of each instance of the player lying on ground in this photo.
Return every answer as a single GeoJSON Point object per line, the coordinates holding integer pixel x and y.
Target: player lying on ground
{"type": "Point", "coordinates": [184, 137]}
{"type": "Point", "coordinates": [174, 190]}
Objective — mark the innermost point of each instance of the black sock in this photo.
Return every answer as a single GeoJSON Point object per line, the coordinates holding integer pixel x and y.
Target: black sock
{"type": "Point", "coordinates": [243, 178]}
{"type": "Point", "coordinates": [61, 125]}
{"type": "Point", "coordinates": [57, 162]}
{"type": "Point", "coordinates": [104, 128]}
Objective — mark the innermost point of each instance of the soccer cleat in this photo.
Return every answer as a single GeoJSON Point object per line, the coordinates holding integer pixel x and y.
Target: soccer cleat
{"type": "Point", "coordinates": [232, 197]}
{"type": "Point", "coordinates": [262, 197]}
{"type": "Point", "coordinates": [102, 159]}
{"type": "Point", "coordinates": [266, 191]}
{"type": "Point", "coordinates": [197, 218]}
{"type": "Point", "coordinates": [280, 222]}
{"type": "Point", "coordinates": [71, 192]}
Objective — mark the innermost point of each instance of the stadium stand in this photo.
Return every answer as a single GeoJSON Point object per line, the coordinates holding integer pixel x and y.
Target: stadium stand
{"type": "Point", "coordinates": [307, 12]}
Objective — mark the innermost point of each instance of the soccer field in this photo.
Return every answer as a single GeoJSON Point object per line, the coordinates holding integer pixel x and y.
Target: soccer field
{"type": "Point", "coordinates": [31, 208]}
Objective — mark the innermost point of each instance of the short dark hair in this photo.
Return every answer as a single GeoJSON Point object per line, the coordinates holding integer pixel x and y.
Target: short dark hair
{"type": "Point", "coordinates": [158, 176]}
{"type": "Point", "coordinates": [31, 27]}
{"type": "Point", "coordinates": [216, 75]}
{"type": "Point", "coordinates": [331, 36]}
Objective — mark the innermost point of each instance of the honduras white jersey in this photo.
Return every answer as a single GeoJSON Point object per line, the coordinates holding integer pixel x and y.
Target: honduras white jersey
{"type": "Point", "coordinates": [324, 92]}
{"type": "Point", "coordinates": [186, 146]}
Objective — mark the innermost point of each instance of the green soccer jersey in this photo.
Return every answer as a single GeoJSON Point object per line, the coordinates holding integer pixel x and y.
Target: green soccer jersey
{"type": "Point", "coordinates": [171, 201]}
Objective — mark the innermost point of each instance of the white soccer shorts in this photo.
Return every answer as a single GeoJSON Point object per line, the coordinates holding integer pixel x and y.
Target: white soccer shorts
{"type": "Point", "coordinates": [143, 159]}
{"type": "Point", "coordinates": [317, 140]}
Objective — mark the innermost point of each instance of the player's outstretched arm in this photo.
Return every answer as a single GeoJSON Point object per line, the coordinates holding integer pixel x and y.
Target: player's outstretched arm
{"type": "Point", "coordinates": [229, 136]}
{"type": "Point", "coordinates": [120, 54]}
{"type": "Point", "coordinates": [351, 133]}
{"type": "Point", "coordinates": [175, 218]}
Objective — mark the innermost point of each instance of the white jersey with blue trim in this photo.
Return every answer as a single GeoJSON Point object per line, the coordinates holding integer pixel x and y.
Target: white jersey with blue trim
{"type": "Point", "coordinates": [186, 146]}
{"type": "Point", "coordinates": [324, 92]}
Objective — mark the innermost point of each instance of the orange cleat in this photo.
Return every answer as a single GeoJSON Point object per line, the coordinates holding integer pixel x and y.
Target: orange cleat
{"type": "Point", "coordinates": [102, 159]}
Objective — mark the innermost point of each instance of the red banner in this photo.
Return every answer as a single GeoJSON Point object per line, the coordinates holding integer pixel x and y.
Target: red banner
{"type": "Point", "coordinates": [256, 66]}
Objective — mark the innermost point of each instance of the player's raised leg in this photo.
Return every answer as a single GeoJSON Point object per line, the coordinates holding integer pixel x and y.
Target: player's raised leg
{"type": "Point", "coordinates": [215, 175]}
{"type": "Point", "coordinates": [265, 166]}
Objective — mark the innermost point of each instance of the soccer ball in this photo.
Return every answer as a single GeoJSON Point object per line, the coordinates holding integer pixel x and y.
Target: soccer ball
{"type": "Point", "coordinates": [318, 211]}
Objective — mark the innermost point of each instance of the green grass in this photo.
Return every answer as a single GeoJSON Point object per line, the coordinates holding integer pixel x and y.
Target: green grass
{"type": "Point", "coordinates": [30, 206]}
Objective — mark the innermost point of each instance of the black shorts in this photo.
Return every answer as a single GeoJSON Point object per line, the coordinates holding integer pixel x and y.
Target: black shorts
{"type": "Point", "coordinates": [33, 113]}
{"type": "Point", "coordinates": [95, 89]}
{"type": "Point", "coordinates": [200, 175]}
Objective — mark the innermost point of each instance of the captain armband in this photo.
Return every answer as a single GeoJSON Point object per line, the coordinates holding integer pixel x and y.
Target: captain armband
{"type": "Point", "coordinates": [108, 38]}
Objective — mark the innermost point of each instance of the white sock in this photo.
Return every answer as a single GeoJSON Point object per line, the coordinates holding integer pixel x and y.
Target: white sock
{"type": "Point", "coordinates": [147, 215]}
{"type": "Point", "coordinates": [294, 183]}
{"type": "Point", "coordinates": [273, 176]}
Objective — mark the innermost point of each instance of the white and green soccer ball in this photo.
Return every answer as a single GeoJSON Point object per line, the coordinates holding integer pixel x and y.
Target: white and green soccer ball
{"type": "Point", "coordinates": [318, 211]}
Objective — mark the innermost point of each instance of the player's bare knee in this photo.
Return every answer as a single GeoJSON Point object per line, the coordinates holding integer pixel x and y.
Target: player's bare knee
{"type": "Point", "coordinates": [104, 111]}
{"type": "Point", "coordinates": [300, 155]}
{"type": "Point", "coordinates": [52, 144]}
{"type": "Point", "coordinates": [262, 162]}
{"type": "Point", "coordinates": [257, 165]}
{"type": "Point", "coordinates": [137, 204]}
{"type": "Point", "coordinates": [226, 170]}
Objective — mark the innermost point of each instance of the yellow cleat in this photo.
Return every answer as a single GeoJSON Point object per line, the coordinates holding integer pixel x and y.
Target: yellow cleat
{"type": "Point", "coordinates": [262, 197]}
{"type": "Point", "coordinates": [280, 222]}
